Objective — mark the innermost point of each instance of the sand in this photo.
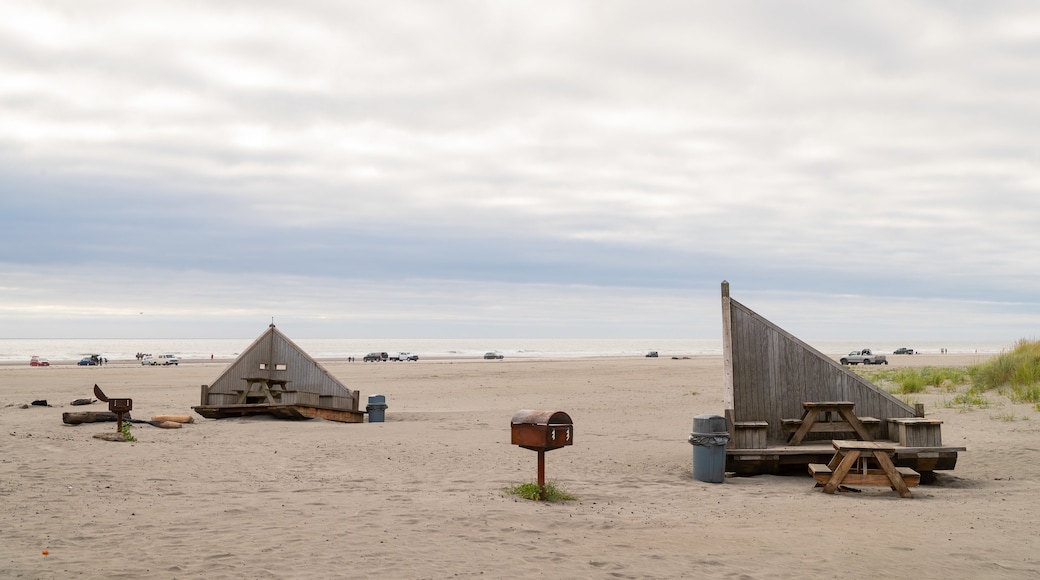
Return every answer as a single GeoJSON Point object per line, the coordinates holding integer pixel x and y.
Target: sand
{"type": "Point", "coordinates": [421, 495]}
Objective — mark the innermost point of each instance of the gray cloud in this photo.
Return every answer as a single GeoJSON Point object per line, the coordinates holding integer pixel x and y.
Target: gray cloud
{"type": "Point", "coordinates": [878, 150]}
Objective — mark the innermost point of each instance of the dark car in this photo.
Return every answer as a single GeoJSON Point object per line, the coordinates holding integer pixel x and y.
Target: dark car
{"type": "Point", "coordinates": [492, 356]}
{"type": "Point", "coordinates": [903, 351]}
{"type": "Point", "coordinates": [376, 357]}
{"type": "Point", "coordinates": [652, 354]}
{"type": "Point", "coordinates": [87, 361]}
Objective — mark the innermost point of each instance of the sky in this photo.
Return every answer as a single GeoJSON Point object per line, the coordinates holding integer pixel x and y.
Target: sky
{"type": "Point", "coordinates": [565, 169]}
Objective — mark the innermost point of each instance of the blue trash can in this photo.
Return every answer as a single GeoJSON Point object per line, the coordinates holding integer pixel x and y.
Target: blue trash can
{"type": "Point", "coordinates": [709, 439]}
{"type": "Point", "coordinates": [376, 408]}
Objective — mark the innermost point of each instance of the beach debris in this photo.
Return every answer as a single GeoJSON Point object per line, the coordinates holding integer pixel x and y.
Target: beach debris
{"type": "Point", "coordinates": [110, 436]}
{"type": "Point", "coordinates": [90, 417]}
{"type": "Point", "coordinates": [174, 418]}
{"type": "Point", "coordinates": [83, 402]}
{"type": "Point", "coordinates": [159, 424]}
{"type": "Point", "coordinates": [117, 406]}
{"type": "Point", "coordinates": [541, 431]}
{"type": "Point", "coordinates": [40, 403]}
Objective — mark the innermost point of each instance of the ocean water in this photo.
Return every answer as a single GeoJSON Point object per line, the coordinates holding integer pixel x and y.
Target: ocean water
{"type": "Point", "coordinates": [336, 348]}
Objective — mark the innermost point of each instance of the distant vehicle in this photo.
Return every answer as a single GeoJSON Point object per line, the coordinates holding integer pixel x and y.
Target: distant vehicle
{"type": "Point", "coordinates": [863, 356]}
{"type": "Point", "coordinates": [87, 361]}
{"type": "Point", "coordinates": [652, 354]}
{"type": "Point", "coordinates": [407, 356]}
{"type": "Point", "coordinates": [36, 361]}
{"type": "Point", "coordinates": [903, 351]}
{"type": "Point", "coordinates": [376, 357]}
{"type": "Point", "coordinates": [492, 356]}
{"type": "Point", "coordinates": [163, 359]}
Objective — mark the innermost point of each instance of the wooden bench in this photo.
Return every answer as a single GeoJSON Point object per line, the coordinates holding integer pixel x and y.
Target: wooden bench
{"type": "Point", "coordinates": [822, 474]}
{"type": "Point", "coordinates": [749, 434]}
{"type": "Point", "coordinates": [915, 431]}
{"type": "Point", "coordinates": [871, 423]}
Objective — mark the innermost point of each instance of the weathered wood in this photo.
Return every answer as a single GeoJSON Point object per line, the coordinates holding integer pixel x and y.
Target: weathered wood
{"type": "Point", "coordinates": [90, 417]}
{"type": "Point", "coordinates": [773, 372]}
{"type": "Point", "coordinates": [174, 418]}
{"type": "Point", "coordinates": [282, 412]}
{"type": "Point", "coordinates": [749, 434]}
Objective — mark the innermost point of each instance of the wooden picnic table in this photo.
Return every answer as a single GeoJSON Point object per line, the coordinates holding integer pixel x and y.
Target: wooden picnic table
{"type": "Point", "coordinates": [814, 410]}
{"type": "Point", "coordinates": [848, 455]}
{"type": "Point", "coordinates": [262, 386]}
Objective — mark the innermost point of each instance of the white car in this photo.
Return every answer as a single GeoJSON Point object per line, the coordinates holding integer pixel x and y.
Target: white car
{"type": "Point", "coordinates": [163, 359]}
{"type": "Point", "coordinates": [406, 356]}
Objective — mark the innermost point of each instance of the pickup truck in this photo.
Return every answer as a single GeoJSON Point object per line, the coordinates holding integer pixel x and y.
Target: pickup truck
{"type": "Point", "coordinates": [863, 356]}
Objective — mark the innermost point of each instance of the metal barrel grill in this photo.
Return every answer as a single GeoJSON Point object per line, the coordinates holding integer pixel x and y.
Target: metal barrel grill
{"type": "Point", "coordinates": [541, 431]}
{"type": "Point", "coordinates": [117, 406]}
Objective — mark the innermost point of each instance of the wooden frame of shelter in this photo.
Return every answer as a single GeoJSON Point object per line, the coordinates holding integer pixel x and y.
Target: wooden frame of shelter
{"type": "Point", "coordinates": [275, 376]}
{"type": "Point", "coordinates": [768, 374]}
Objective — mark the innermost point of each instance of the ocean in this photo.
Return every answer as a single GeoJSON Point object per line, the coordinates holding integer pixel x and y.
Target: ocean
{"type": "Point", "coordinates": [59, 350]}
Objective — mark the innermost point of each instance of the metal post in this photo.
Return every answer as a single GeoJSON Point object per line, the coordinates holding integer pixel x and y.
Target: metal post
{"type": "Point", "coordinates": [541, 473]}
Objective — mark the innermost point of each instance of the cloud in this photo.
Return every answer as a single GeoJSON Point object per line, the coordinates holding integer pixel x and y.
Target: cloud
{"type": "Point", "coordinates": [862, 149]}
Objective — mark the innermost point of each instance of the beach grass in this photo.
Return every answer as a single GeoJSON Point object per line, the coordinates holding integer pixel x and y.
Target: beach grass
{"type": "Point", "coordinates": [531, 491]}
{"type": "Point", "coordinates": [911, 380]}
{"type": "Point", "coordinates": [1015, 374]}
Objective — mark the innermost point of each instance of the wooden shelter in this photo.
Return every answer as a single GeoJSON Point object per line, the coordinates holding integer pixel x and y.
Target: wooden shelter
{"type": "Point", "coordinates": [770, 377]}
{"type": "Point", "coordinates": [275, 376]}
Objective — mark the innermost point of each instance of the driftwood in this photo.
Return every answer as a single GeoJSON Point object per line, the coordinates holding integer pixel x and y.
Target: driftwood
{"type": "Point", "coordinates": [174, 418]}
{"type": "Point", "coordinates": [91, 417]}
{"type": "Point", "coordinates": [110, 436]}
{"type": "Point", "coordinates": [83, 402]}
{"type": "Point", "coordinates": [159, 424]}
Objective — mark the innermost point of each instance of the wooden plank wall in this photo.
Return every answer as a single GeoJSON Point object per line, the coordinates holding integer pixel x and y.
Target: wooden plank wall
{"type": "Point", "coordinates": [774, 372]}
{"type": "Point", "coordinates": [271, 349]}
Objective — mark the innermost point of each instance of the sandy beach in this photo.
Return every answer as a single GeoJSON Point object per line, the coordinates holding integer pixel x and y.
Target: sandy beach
{"type": "Point", "coordinates": [421, 495]}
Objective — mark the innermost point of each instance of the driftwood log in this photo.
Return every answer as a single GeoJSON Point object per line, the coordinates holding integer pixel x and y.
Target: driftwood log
{"type": "Point", "coordinates": [91, 417]}
{"type": "Point", "coordinates": [159, 424]}
{"type": "Point", "coordinates": [174, 418]}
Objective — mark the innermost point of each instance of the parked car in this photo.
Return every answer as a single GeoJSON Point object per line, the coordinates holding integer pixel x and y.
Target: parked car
{"type": "Point", "coordinates": [903, 351]}
{"type": "Point", "coordinates": [162, 359]}
{"type": "Point", "coordinates": [652, 354]}
{"type": "Point", "coordinates": [87, 361]}
{"type": "Point", "coordinates": [36, 361]}
{"type": "Point", "coordinates": [407, 356]}
{"type": "Point", "coordinates": [864, 356]}
{"type": "Point", "coordinates": [376, 357]}
{"type": "Point", "coordinates": [492, 356]}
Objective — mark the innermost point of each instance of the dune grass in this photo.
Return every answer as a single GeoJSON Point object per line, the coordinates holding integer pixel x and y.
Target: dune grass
{"type": "Point", "coordinates": [909, 380]}
{"type": "Point", "coordinates": [1015, 374]}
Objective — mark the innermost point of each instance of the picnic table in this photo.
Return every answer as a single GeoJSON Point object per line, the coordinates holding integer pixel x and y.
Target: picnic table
{"type": "Point", "coordinates": [849, 466]}
{"type": "Point", "coordinates": [270, 389]}
{"type": "Point", "coordinates": [815, 410]}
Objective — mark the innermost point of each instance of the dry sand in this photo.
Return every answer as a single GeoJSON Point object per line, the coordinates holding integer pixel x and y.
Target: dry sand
{"type": "Point", "coordinates": [421, 495]}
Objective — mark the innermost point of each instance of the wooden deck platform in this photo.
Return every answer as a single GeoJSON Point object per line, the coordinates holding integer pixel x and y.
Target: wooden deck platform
{"type": "Point", "coordinates": [281, 411]}
{"type": "Point", "coordinates": [784, 458]}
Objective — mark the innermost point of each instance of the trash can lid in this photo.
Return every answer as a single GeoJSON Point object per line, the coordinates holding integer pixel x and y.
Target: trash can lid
{"type": "Point", "coordinates": [710, 424]}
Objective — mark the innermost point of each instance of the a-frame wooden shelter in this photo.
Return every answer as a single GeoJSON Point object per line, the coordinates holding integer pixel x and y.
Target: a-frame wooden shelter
{"type": "Point", "coordinates": [275, 376]}
{"type": "Point", "coordinates": [769, 373]}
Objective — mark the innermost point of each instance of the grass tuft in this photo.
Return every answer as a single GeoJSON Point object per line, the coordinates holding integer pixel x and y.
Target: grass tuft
{"type": "Point", "coordinates": [531, 491]}
{"type": "Point", "coordinates": [125, 430]}
{"type": "Point", "coordinates": [1019, 368]}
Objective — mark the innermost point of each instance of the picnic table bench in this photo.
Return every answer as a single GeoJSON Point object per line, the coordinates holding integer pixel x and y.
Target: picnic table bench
{"type": "Point", "coordinates": [269, 389]}
{"type": "Point", "coordinates": [848, 467]}
{"type": "Point", "coordinates": [815, 419]}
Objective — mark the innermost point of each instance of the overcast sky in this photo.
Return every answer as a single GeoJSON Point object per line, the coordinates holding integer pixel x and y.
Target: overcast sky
{"type": "Point", "coordinates": [518, 169]}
